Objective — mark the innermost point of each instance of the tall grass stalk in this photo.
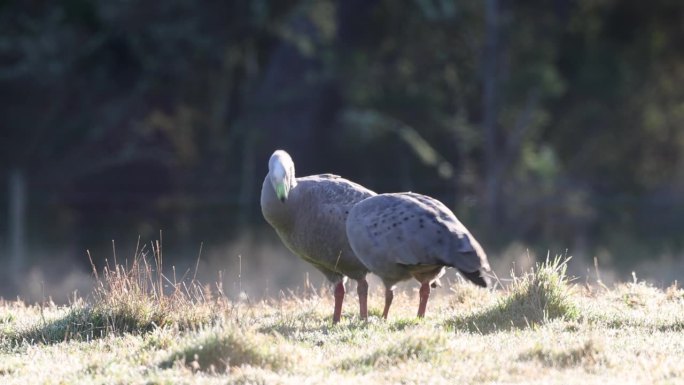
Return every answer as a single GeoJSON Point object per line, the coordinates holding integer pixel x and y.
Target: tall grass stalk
{"type": "Point", "coordinates": [139, 297]}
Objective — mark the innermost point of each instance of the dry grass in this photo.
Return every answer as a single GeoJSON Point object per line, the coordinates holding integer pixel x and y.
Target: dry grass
{"type": "Point", "coordinates": [533, 298]}
{"type": "Point", "coordinates": [140, 327]}
{"type": "Point", "coordinates": [139, 297]}
{"type": "Point", "coordinates": [134, 297]}
{"type": "Point", "coordinates": [218, 349]}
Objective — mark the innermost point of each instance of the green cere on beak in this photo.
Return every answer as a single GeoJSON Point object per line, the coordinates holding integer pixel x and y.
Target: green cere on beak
{"type": "Point", "coordinates": [281, 192]}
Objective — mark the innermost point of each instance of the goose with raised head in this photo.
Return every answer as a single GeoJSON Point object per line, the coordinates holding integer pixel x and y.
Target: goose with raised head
{"type": "Point", "coordinates": [309, 214]}
{"type": "Point", "coordinates": [403, 235]}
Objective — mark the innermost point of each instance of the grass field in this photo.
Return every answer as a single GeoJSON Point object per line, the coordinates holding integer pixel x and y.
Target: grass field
{"type": "Point", "coordinates": [539, 329]}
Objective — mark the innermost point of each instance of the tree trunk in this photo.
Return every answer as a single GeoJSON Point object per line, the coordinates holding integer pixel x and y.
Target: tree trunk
{"type": "Point", "coordinates": [490, 110]}
{"type": "Point", "coordinates": [248, 190]}
{"type": "Point", "coordinates": [17, 221]}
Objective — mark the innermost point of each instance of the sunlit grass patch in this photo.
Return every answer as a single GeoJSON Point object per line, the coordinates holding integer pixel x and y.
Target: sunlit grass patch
{"type": "Point", "coordinates": [542, 294]}
{"type": "Point", "coordinates": [298, 320]}
{"type": "Point", "coordinates": [323, 333]}
{"type": "Point", "coordinates": [532, 299]}
{"type": "Point", "coordinates": [401, 324]}
{"type": "Point", "coordinates": [217, 349]}
{"type": "Point", "coordinates": [674, 293]}
{"type": "Point", "coordinates": [637, 294]}
{"type": "Point", "coordinates": [425, 347]}
{"type": "Point", "coordinates": [538, 329]}
{"type": "Point", "coordinates": [466, 296]}
{"type": "Point", "coordinates": [586, 354]}
{"type": "Point", "coordinates": [6, 318]}
{"type": "Point", "coordinates": [636, 305]}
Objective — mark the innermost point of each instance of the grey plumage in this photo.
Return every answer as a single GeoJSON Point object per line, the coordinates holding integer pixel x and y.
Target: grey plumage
{"type": "Point", "coordinates": [403, 235]}
{"type": "Point", "coordinates": [309, 214]}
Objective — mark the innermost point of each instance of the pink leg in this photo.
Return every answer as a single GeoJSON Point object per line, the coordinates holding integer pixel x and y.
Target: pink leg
{"type": "Point", "coordinates": [389, 296]}
{"type": "Point", "coordinates": [424, 295]}
{"type": "Point", "coordinates": [339, 297]}
{"type": "Point", "coordinates": [362, 291]}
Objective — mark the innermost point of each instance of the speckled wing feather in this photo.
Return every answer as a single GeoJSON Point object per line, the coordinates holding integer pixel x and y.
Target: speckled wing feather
{"type": "Point", "coordinates": [413, 229]}
{"type": "Point", "coordinates": [334, 190]}
{"type": "Point", "coordinates": [464, 251]}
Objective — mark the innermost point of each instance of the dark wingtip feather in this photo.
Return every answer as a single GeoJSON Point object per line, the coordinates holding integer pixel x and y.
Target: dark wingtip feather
{"type": "Point", "coordinates": [474, 277]}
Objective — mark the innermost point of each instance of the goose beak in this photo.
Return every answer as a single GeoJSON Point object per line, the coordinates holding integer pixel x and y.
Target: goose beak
{"type": "Point", "coordinates": [281, 192]}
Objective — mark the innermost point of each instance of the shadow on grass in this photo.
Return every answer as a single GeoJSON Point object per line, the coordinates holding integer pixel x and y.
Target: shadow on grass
{"type": "Point", "coordinates": [676, 326]}
{"type": "Point", "coordinates": [500, 317]}
{"type": "Point", "coordinates": [301, 325]}
{"type": "Point", "coordinates": [85, 323]}
{"type": "Point", "coordinates": [520, 312]}
{"type": "Point", "coordinates": [81, 324]}
{"type": "Point", "coordinates": [308, 328]}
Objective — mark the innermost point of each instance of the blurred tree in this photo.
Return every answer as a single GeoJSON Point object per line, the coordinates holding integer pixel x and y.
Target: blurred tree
{"type": "Point", "coordinates": [549, 122]}
{"type": "Point", "coordinates": [493, 166]}
{"type": "Point", "coordinates": [110, 107]}
{"type": "Point", "coordinates": [54, 131]}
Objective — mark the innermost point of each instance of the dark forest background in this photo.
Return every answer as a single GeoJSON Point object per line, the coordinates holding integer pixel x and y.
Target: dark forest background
{"type": "Point", "coordinates": [550, 125]}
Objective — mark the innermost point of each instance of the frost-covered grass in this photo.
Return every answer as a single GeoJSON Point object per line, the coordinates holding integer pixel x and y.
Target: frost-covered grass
{"type": "Point", "coordinates": [539, 329]}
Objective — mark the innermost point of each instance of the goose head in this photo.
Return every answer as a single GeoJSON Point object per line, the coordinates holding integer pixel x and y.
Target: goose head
{"type": "Point", "coordinates": [281, 174]}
